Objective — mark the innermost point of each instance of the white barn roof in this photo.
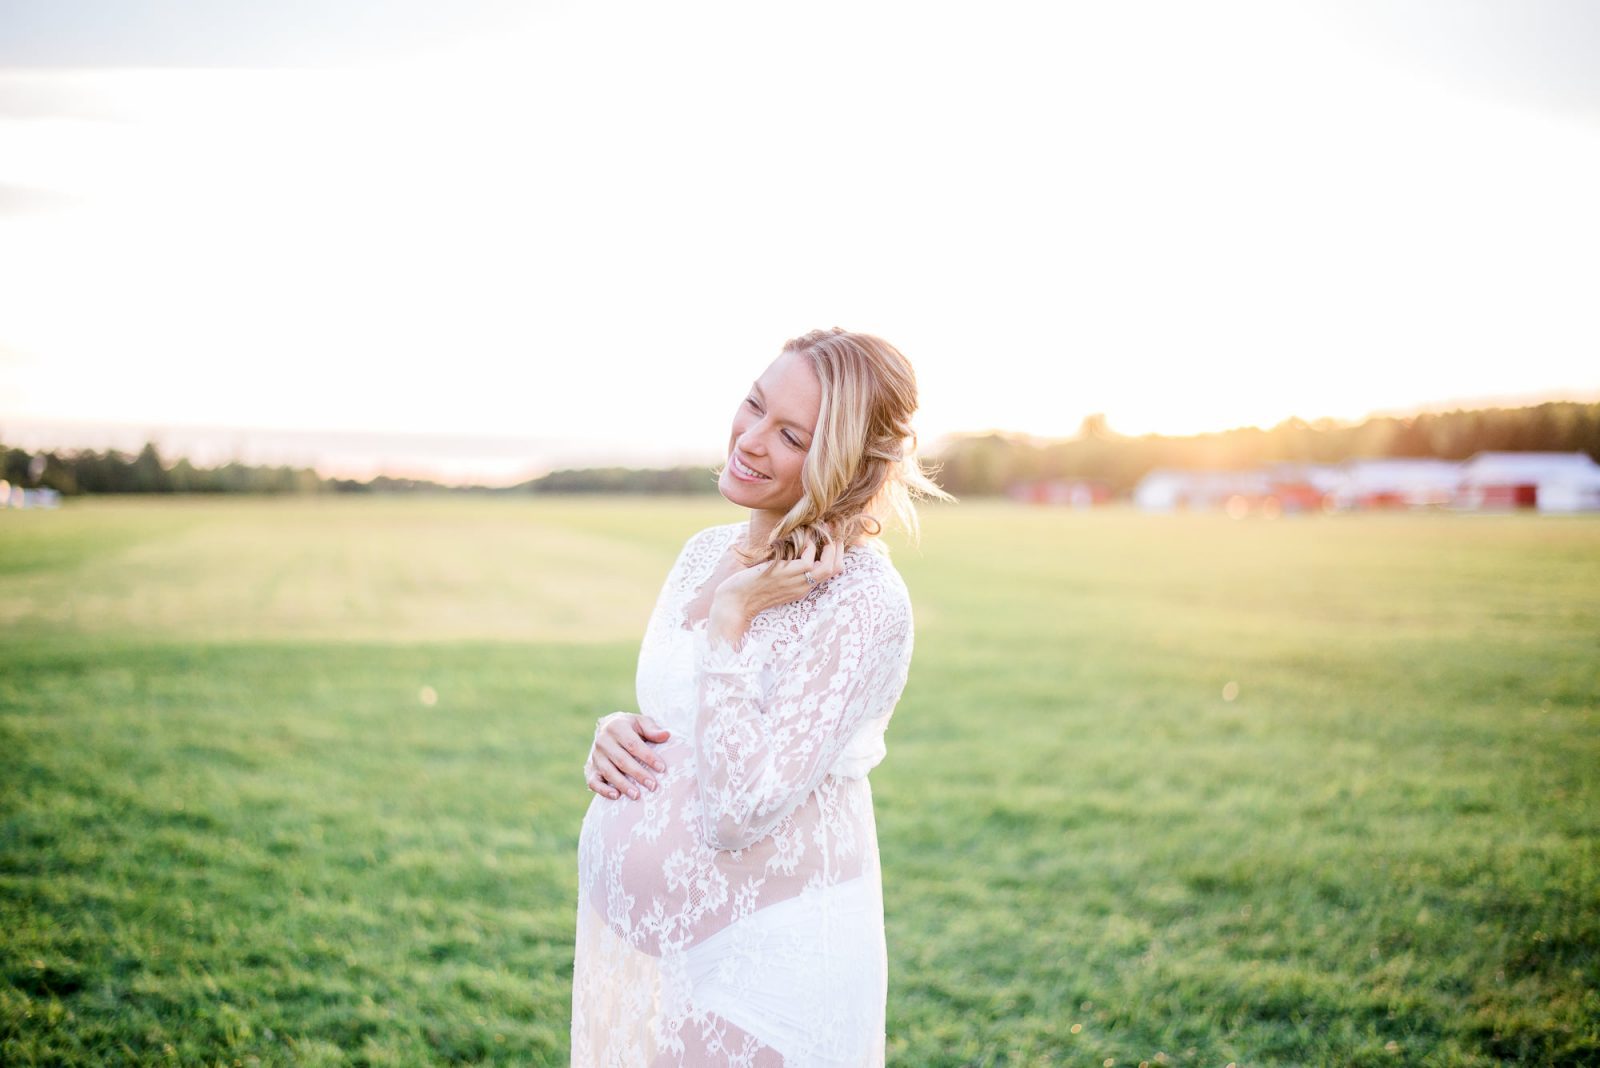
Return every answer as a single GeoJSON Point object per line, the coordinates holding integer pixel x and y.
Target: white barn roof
{"type": "Point", "coordinates": [1377, 476]}
{"type": "Point", "coordinates": [1531, 467]}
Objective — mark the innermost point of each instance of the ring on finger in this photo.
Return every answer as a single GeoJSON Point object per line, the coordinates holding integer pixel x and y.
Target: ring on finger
{"type": "Point", "coordinates": [810, 581]}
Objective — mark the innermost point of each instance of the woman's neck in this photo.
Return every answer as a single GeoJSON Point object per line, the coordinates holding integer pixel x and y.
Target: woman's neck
{"type": "Point", "coordinates": [762, 524]}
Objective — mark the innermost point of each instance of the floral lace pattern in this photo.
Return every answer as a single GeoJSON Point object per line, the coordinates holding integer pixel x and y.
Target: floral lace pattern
{"type": "Point", "coordinates": [734, 915]}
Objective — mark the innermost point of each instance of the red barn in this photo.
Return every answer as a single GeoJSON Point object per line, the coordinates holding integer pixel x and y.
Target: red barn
{"type": "Point", "coordinates": [1548, 481]}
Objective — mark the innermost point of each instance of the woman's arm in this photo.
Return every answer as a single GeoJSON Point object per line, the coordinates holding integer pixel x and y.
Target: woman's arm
{"type": "Point", "coordinates": [761, 753]}
{"type": "Point", "coordinates": [618, 758]}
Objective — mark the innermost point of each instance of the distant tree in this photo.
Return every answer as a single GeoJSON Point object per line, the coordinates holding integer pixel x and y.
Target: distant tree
{"type": "Point", "coordinates": [60, 474]}
{"type": "Point", "coordinates": [1409, 438]}
{"type": "Point", "coordinates": [16, 465]}
{"type": "Point", "coordinates": [149, 476]}
{"type": "Point", "coordinates": [685, 479]}
{"type": "Point", "coordinates": [184, 477]}
{"type": "Point", "coordinates": [1094, 426]}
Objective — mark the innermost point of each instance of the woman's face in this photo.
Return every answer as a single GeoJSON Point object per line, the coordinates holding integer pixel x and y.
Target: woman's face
{"type": "Point", "coordinates": [772, 432]}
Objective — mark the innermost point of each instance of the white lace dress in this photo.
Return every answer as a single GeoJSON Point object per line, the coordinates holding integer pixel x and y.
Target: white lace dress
{"type": "Point", "coordinates": [734, 915]}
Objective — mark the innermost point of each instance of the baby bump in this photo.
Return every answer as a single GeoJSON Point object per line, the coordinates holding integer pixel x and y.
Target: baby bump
{"type": "Point", "coordinates": [643, 865]}
{"type": "Point", "coordinates": [618, 824]}
{"type": "Point", "coordinates": [648, 872]}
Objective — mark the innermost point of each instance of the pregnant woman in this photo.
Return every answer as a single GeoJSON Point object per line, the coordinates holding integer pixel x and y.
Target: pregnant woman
{"type": "Point", "coordinates": [729, 906]}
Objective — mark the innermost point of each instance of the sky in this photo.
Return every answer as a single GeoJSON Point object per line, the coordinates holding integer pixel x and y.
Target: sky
{"type": "Point", "coordinates": [486, 239]}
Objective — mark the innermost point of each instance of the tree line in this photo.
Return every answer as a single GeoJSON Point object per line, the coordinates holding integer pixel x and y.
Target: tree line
{"type": "Point", "coordinates": [79, 471]}
{"type": "Point", "coordinates": [967, 465]}
{"type": "Point", "coordinates": [74, 472]}
{"type": "Point", "coordinates": [991, 463]}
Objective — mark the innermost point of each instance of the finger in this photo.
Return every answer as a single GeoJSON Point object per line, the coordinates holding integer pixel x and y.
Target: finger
{"type": "Point", "coordinates": [625, 730]}
{"type": "Point", "coordinates": [807, 562]}
{"type": "Point", "coordinates": [641, 752]}
{"type": "Point", "coordinates": [648, 726]}
{"type": "Point", "coordinates": [598, 786]}
{"type": "Point", "coordinates": [623, 760]}
{"type": "Point", "coordinates": [625, 764]}
{"type": "Point", "coordinates": [823, 570]}
{"type": "Point", "coordinates": [609, 773]}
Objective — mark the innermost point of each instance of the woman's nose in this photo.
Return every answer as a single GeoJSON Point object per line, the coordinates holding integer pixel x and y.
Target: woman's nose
{"type": "Point", "coordinates": [753, 440]}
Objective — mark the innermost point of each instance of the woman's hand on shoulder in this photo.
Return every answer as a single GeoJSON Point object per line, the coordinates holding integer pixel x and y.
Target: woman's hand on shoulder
{"type": "Point", "coordinates": [750, 591]}
{"type": "Point", "coordinates": [620, 758]}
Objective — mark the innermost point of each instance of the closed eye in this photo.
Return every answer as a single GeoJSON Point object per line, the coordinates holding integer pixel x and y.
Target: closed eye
{"type": "Point", "coordinates": [788, 438]}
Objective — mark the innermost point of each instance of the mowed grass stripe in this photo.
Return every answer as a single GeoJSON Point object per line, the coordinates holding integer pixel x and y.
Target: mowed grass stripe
{"type": "Point", "coordinates": [222, 841]}
{"type": "Point", "coordinates": [342, 569]}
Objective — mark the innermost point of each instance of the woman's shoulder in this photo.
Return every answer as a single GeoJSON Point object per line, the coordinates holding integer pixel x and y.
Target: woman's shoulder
{"type": "Point", "coordinates": [716, 534]}
{"type": "Point", "coordinates": [870, 558]}
{"type": "Point", "coordinates": [868, 571]}
{"type": "Point", "coordinates": [706, 544]}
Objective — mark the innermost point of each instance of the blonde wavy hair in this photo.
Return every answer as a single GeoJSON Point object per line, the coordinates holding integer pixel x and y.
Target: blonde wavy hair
{"type": "Point", "coordinates": [862, 467]}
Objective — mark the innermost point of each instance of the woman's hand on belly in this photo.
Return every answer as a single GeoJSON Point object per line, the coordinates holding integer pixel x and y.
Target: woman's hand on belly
{"type": "Point", "coordinates": [621, 755]}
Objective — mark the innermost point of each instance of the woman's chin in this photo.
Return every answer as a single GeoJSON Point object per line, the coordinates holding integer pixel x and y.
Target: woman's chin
{"type": "Point", "coordinates": [735, 492]}
{"type": "Point", "coordinates": [751, 495]}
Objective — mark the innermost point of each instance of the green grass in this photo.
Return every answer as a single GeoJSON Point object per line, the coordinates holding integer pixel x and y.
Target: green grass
{"type": "Point", "coordinates": [233, 832]}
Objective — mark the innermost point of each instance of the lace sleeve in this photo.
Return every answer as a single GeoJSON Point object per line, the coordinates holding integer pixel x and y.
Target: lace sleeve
{"type": "Point", "coordinates": [693, 554]}
{"type": "Point", "coordinates": [762, 750]}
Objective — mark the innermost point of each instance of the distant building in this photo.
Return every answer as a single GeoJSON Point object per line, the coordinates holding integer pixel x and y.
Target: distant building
{"type": "Point", "coordinates": [1069, 492]}
{"type": "Point", "coordinates": [1160, 490]}
{"type": "Point", "coordinates": [19, 497]}
{"type": "Point", "coordinates": [1169, 490]}
{"type": "Point", "coordinates": [1367, 484]}
{"type": "Point", "coordinates": [1548, 481]}
{"type": "Point", "coordinates": [1274, 490]}
{"type": "Point", "coordinates": [1299, 487]}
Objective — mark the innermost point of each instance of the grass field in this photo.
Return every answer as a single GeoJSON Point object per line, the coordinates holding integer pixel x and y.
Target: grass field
{"type": "Point", "coordinates": [296, 782]}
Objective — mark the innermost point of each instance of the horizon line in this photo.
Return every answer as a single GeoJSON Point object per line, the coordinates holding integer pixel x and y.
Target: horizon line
{"type": "Point", "coordinates": [508, 459]}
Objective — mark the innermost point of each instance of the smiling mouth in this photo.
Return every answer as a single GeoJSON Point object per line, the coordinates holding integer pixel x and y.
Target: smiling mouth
{"type": "Point", "coordinates": [741, 468]}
